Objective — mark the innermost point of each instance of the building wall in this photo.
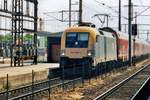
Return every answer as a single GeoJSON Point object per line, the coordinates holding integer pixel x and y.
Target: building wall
{"type": "Point", "coordinates": [53, 49]}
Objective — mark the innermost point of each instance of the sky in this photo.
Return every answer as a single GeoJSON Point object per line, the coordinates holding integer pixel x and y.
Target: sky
{"type": "Point", "coordinates": [91, 7]}
{"type": "Point", "coordinates": [48, 11]}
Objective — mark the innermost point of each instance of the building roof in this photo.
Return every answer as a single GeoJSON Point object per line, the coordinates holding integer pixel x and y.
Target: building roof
{"type": "Point", "coordinates": [49, 34]}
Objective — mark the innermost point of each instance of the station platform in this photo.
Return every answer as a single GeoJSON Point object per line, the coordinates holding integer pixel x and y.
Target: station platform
{"type": "Point", "coordinates": [23, 75]}
{"type": "Point", "coordinates": [6, 69]}
{"type": "Point", "coordinates": [4, 60]}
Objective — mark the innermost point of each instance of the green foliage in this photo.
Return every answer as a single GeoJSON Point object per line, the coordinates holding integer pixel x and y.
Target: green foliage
{"type": "Point", "coordinates": [8, 37]}
{"type": "Point", "coordinates": [5, 38]}
{"type": "Point", "coordinates": [1, 37]}
{"type": "Point", "coordinates": [28, 37]}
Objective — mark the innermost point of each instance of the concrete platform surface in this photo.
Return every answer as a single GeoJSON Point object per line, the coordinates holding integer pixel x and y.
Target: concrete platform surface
{"type": "Point", "coordinates": [27, 68]}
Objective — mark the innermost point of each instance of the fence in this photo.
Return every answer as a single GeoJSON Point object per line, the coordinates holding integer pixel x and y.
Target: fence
{"type": "Point", "coordinates": [32, 90]}
{"type": "Point", "coordinates": [58, 80]}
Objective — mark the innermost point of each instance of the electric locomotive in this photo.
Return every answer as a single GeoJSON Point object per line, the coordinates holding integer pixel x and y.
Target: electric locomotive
{"type": "Point", "coordinates": [87, 45]}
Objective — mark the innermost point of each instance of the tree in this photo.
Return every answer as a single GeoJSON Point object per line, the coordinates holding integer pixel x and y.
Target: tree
{"type": "Point", "coordinates": [28, 37]}
{"type": "Point", "coordinates": [7, 38]}
{"type": "Point", "coordinates": [1, 37]}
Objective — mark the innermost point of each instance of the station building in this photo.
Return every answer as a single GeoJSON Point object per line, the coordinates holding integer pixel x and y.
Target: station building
{"type": "Point", "coordinates": [49, 46]}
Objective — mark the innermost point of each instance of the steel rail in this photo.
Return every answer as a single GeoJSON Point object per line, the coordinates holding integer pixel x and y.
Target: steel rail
{"type": "Point", "coordinates": [28, 87]}
{"type": "Point", "coordinates": [43, 89]}
{"type": "Point", "coordinates": [111, 90]}
{"type": "Point", "coordinates": [140, 89]}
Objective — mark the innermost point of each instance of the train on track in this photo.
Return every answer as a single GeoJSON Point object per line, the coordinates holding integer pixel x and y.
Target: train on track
{"type": "Point", "coordinates": [88, 45]}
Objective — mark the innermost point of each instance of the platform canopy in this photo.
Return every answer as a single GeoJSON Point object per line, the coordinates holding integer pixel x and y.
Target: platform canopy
{"type": "Point", "coordinates": [49, 34]}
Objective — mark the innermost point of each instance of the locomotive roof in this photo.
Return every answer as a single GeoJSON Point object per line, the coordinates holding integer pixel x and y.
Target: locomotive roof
{"type": "Point", "coordinates": [116, 33]}
{"type": "Point", "coordinates": [122, 35]}
{"type": "Point", "coordinates": [79, 27]}
{"type": "Point", "coordinates": [94, 31]}
{"type": "Point", "coordinates": [103, 31]}
{"type": "Point", "coordinates": [106, 34]}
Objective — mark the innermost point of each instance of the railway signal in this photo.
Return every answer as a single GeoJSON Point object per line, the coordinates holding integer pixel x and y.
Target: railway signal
{"type": "Point", "coordinates": [134, 29]}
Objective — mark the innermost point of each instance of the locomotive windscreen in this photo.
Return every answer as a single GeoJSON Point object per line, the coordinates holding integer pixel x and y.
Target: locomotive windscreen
{"type": "Point", "coordinates": [77, 39]}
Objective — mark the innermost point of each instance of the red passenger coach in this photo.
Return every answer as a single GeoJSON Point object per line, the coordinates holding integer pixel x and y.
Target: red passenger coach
{"type": "Point", "coordinates": [122, 43]}
{"type": "Point", "coordinates": [140, 48]}
{"type": "Point", "coordinates": [137, 48]}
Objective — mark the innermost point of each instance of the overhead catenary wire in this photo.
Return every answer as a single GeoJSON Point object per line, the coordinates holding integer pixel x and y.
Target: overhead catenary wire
{"type": "Point", "coordinates": [138, 6]}
{"type": "Point", "coordinates": [111, 8]}
{"type": "Point", "coordinates": [88, 7]}
{"type": "Point", "coordinates": [97, 12]}
{"type": "Point", "coordinates": [138, 14]}
{"type": "Point", "coordinates": [52, 17]}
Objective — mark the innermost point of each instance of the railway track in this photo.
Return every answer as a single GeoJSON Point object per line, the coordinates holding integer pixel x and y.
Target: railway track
{"type": "Point", "coordinates": [126, 89]}
{"type": "Point", "coordinates": [37, 90]}
{"type": "Point", "coordinates": [27, 89]}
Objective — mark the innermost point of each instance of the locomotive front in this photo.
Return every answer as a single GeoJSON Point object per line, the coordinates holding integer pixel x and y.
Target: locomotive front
{"type": "Point", "coordinates": [77, 45]}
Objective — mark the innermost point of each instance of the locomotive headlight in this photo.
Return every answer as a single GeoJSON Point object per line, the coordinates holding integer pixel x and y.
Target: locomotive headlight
{"type": "Point", "coordinates": [62, 52]}
{"type": "Point", "coordinates": [89, 53]}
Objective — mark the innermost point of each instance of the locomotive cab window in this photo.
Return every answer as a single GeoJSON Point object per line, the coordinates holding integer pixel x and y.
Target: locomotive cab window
{"type": "Point", "coordinates": [77, 39]}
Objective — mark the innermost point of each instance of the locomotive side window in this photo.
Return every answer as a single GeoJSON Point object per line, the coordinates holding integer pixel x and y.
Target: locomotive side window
{"type": "Point", "coordinates": [77, 39]}
{"type": "Point", "coordinates": [97, 38]}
